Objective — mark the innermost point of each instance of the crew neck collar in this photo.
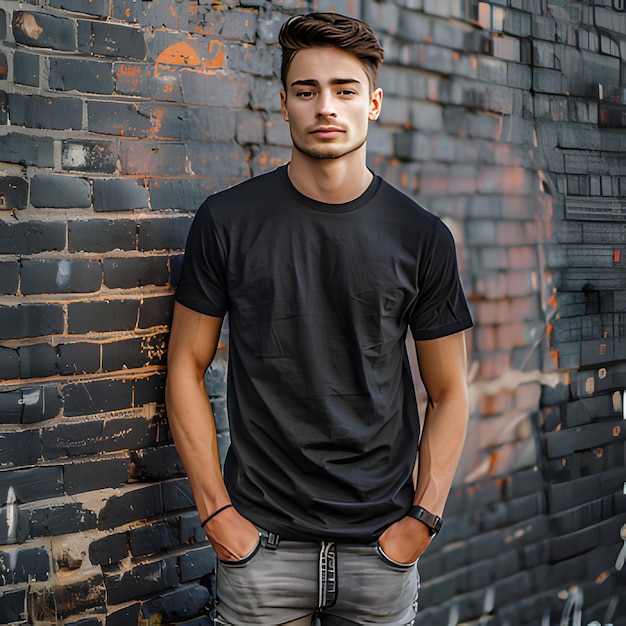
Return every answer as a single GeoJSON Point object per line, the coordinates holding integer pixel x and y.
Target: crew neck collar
{"type": "Point", "coordinates": [325, 207]}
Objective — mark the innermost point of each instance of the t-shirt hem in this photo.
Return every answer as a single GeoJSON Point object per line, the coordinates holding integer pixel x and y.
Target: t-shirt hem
{"type": "Point", "coordinates": [200, 306]}
{"type": "Point", "coordinates": [443, 331]}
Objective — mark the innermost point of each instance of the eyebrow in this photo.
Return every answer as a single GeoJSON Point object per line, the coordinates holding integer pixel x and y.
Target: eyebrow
{"type": "Point", "coordinates": [310, 82]}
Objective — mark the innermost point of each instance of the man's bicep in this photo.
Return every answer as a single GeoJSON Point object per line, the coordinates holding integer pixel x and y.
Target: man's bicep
{"type": "Point", "coordinates": [443, 363]}
{"type": "Point", "coordinates": [194, 338]}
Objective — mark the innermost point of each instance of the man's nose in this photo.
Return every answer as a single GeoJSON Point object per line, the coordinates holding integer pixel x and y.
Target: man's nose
{"type": "Point", "coordinates": [325, 105]}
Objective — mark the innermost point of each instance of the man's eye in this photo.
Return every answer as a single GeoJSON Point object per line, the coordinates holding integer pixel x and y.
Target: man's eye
{"type": "Point", "coordinates": [346, 92]}
{"type": "Point", "coordinates": [304, 94]}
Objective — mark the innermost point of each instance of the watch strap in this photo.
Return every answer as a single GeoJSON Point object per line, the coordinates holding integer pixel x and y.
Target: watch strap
{"type": "Point", "coordinates": [431, 521]}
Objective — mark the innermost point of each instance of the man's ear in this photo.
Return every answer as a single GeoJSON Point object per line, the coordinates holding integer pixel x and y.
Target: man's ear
{"type": "Point", "coordinates": [376, 103]}
{"type": "Point", "coordinates": [283, 105]}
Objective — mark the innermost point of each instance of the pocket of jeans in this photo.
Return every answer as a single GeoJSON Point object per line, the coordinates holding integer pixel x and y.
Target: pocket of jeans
{"type": "Point", "coordinates": [390, 562]}
{"type": "Point", "coordinates": [245, 559]}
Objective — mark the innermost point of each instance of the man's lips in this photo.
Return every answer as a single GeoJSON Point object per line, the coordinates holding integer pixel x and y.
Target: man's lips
{"type": "Point", "coordinates": [327, 132]}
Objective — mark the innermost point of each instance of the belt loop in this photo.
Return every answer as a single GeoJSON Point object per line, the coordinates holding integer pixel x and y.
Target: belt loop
{"type": "Point", "coordinates": [270, 540]}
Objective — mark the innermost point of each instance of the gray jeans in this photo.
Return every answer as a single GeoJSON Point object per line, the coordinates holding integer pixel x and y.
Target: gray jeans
{"type": "Point", "coordinates": [282, 581]}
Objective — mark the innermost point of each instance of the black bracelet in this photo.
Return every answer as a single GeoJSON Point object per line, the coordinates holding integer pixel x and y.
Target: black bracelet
{"type": "Point", "coordinates": [208, 519]}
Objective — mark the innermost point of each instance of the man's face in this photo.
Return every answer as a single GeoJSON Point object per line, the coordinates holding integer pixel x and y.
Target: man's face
{"type": "Point", "coordinates": [327, 102]}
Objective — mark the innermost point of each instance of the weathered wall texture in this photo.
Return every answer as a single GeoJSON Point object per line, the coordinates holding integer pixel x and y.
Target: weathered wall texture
{"type": "Point", "coordinates": [117, 117]}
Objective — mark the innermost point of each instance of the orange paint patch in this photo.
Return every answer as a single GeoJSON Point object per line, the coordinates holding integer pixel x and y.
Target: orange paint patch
{"type": "Point", "coordinates": [180, 53]}
{"type": "Point", "coordinates": [217, 55]}
{"type": "Point", "coordinates": [129, 71]}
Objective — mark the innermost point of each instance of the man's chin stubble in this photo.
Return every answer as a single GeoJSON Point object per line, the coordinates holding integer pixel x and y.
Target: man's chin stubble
{"type": "Point", "coordinates": [325, 155]}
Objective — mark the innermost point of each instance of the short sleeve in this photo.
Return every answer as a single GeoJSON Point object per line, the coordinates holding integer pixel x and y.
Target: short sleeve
{"type": "Point", "coordinates": [202, 286]}
{"type": "Point", "coordinates": [441, 307]}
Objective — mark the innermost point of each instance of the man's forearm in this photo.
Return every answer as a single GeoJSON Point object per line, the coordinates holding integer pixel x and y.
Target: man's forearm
{"type": "Point", "coordinates": [441, 445]}
{"type": "Point", "coordinates": [193, 428]}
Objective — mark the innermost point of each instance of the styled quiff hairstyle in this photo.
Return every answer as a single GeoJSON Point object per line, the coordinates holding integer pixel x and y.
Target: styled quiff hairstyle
{"type": "Point", "coordinates": [318, 30]}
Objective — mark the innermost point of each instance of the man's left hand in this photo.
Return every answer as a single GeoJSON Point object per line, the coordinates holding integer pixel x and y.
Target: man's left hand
{"type": "Point", "coordinates": [405, 540]}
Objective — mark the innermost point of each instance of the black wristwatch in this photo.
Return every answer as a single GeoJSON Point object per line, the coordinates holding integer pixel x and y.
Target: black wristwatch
{"type": "Point", "coordinates": [432, 522]}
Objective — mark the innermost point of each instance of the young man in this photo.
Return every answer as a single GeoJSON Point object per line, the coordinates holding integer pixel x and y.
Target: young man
{"type": "Point", "coordinates": [322, 268]}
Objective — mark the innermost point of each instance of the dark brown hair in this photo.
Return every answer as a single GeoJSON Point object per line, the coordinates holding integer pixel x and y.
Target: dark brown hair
{"type": "Point", "coordinates": [316, 30]}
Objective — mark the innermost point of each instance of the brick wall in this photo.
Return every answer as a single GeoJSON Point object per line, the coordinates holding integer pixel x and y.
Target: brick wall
{"type": "Point", "coordinates": [118, 117]}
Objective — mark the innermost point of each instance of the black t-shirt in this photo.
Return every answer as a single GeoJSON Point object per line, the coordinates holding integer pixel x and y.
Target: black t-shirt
{"type": "Point", "coordinates": [321, 403]}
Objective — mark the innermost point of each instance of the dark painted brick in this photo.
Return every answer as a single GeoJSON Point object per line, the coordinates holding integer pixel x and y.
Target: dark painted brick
{"type": "Point", "coordinates": [44, 112]}
{"type": "Point", "coordinates": [156, 312]}
{"type": "Point", "coordinates": [32, 565]}
{"type": "Point", "coordinates": [80, 437]}
{"type": "Point", "coordinates": [12, 606]}
{"type": "Point", "coordinates": [60, 276]}
{"type": "Point", "coordinates": [19, 448]}
{"type": "Point", "coordinates": [139, 79]}
{"type": "Point", "coordinates": [119, 118]}
{"type": "Point", "coordinates": [31, 237]}
{"type": "Point", "coordinates": [44, 31]}
{"type": "Point", "coordinates": [152, 157]}
{"type": "Point", "coordinates": [26, 68]}
{"type": "Point", "coordinates": [133, 353]}
{"type": "Point", "coordinates": [215, 91]}
{"type": "Point", "coordinates": [102, 316]}
{"type": "Point", "coordinates": [30, 320]}
{"type": "Point", "coordinates": [141, 580]}
{"type": "Point", "coordinates": [59, 191]}
{"type": "Point", "coordinates": [118, 194]}
{"type": "Point", "coordinates": [185, 194]}
{"type": "Point", "coordinates": [124, 616]}
{"type": "Point", "coordinates": [184, 602]}
{"type": "Point", "coordinates": [177, 495]}
{"type": "Point", "coordinates": [161, 14]}
{"type": "Point", "coordinates": [142, 502]}
{"type": "Point", "coordinates": [95, 235]}
{"type": "Point", "coordinates": [196, 563]}
{"type": "Point", "coordinates": [233, 24]}
{"type": "Point", "coordinates": [107, 39]}
{"type": "Point", "coordinates": [164, 234]}
{"type": "Point", "coordinates": [70, 599]}
{"type": "Point", "coordinates": [81, 75]}
{"type": "Point", "coordinates": [189, 527]}
{"type": "Point", "coordinates": [98, 396]}
{"type": "Point", "coordinates": [152, 464]}
{"type": "Point", "coordinates": [149, 539]}
{"type": "Point", "coordinates": [88, 156]}
{"type": "Point", "coordinates": [207, 124]}
{"type": "Point", "coordinates": [13, 193]}
{"type": "Point", "coordinates": [218, 159]}
{"type": "Point", "coordinates": [82, 476]}
{"type": "Point", "coordinates": [109, 550]}
{"type": "Point", "coordinates": [18, 148]}
{"type": "Point", "coordinates": [126, 273]}
{"type": "Point", "coordinates": [78, 358]}
{"type": "Point", "coordinates": [40, 403]}
{"type": "Point", "coordinates": [11, 408]}
{"type": "Point", "coordinates": [63, 519]}
{"type": "Point", "coordinates": [9, 280]}
{"type": "Point", "coordinates": [9, 364]}
{"type": "Point", "coordinates": [35, 483]}
{"type": "Point", "coordinates": [37, 361]}
{"type": "Point", "coordinates": [149, 390]}
{"type": "Point", "coordinates": [99, 8]}
{"type": "Point", "coordinates": [562, 442]}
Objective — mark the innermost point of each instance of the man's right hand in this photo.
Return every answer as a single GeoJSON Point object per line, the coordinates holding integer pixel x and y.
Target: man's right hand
{"type": "Point", "coordinates": [232, 536]}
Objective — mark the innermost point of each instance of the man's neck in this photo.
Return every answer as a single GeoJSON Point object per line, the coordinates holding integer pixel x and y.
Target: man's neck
{"type": "Point", "coordinates": [333, 181]}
